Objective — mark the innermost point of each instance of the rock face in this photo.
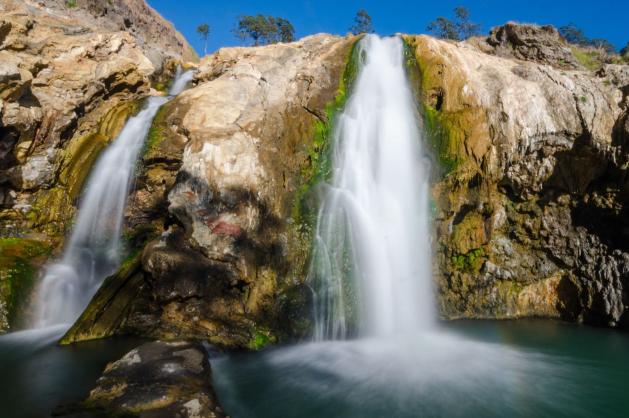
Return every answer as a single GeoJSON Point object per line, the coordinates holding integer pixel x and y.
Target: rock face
{"type": "Point", "coordinates": [224, 174]}
{"type": "Point", "coordinates": [541, 44]}
{"type": "Point", "coordinates": [158, 379]}
{"type": "Point", "coordinates": [530, 217]}
{"type": "Point", "coordinates": [529, 186]}
{"type": "Point", "coordinates": [157, 37]}
{"type": "Point", "coordinates": [68, 81]}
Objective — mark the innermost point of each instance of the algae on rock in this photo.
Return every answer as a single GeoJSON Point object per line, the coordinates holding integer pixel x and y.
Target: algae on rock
{"type": "Point", "coordinates": [20, 260]}
{"type": "Point", "coordinates": [522, 155]}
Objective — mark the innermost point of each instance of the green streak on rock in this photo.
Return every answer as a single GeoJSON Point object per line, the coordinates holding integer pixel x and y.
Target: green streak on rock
{"type": "Point", "coordinates": [20, 258]}
{"type": "Point", "coordinates": [52, 209]}
{"type": "Point", "coordinates": [157, 133]}
{"type": "Point", "coordinates": [110, 305]}
{"type": "Point", "coordinates": [320, 152]}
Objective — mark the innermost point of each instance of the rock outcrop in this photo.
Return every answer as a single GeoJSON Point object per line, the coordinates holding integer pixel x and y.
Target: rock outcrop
{"type": "Point", "coordinates": [157, 379]}
{"type": "Point", "coordinates": [68, 81]}
{"type": "Point", "coordinates": [541, 44]}
{"type": "Point", "coordinates": [530, 205]}
{"type": "Point", "coordinates": [227, 165]}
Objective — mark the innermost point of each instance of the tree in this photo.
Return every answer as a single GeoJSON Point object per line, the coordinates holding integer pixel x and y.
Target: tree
{"type": "Point", "coordinates": [444, 28]}
{"type": "Point", "coordinates": [285, 30]}
{"type": "Point", "coordinates": [264, 29]}
{"type": "Point", "coordinates": [362, 23]}
{"type": "Point", "coordinates": [574, 35]}
{"type": "Point", "coordinates": [625, 50]}
{"type": "Point", "coordinates": [458, 29]}
{"type": "Point", "coordinates": [204, 30]}
{"type": "Point", "coordinates": [466, 28]}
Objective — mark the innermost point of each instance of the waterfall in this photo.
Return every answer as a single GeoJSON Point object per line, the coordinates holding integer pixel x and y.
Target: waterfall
{"type": "Point", "coordinates": [94, 248]}
{"type": "Point", "coordinates": [371, 264]}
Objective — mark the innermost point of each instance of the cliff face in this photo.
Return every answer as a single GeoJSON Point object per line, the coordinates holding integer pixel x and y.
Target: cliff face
{"type": "Point", "coordinates": [529, 186]}
{"type": "Point", "coordinates": [530, 203]}
{"type": "Point", "coordinates": [69, 78]}
{"type": "Point", "coordinates": [217, 211]}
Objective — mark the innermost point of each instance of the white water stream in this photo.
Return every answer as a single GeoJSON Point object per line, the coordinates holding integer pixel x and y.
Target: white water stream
{"type": "Point", "coordinates": [378, 350]}
{"type": "Point", "coordinates": [94, 248]}
{"type": "Point", "coordinates": [372, 259]}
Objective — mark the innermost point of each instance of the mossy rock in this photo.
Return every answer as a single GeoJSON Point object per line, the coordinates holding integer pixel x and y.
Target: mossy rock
{"type": "Point", "coordinates": [110, 305]}
{"type": "Point", "coordinates": [456, 127]}
{"type": "Point", "coordinates": [52, 209]}
{"type": "Point", "coordinates": [319, 167]}
{"type": "Point", "coordinates": [469, 234]}
{"type": "Point", "coordinates": [20, 259]}
{"type": "Point", "coordinates": [260, 339]}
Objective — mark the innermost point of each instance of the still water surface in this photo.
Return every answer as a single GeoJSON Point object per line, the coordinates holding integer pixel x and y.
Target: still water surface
{"type": "Point", "coordinates": [36, 374]}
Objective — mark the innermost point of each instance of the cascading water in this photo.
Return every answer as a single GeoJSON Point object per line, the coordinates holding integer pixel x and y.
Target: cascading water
{"type": "Point", "coordinates": [94, 248]}
{"type": "Point", "coordinates": [372, 245]}
{"type": "Point", "coordinates": [371, 276]}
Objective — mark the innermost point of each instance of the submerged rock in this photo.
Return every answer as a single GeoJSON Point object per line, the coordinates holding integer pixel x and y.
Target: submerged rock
{"type": "Point", "coordinates": [157, 379]}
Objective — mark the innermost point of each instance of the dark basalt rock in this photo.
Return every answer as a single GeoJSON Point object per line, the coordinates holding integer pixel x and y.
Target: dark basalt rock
{"type": "Point", "coordinates": [157, 379]}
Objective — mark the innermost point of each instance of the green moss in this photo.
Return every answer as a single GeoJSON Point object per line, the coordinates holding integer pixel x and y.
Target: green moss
{"type": "Point", "coordinates": [110, 304]}
{"type": "Point", "coordinates": [52, 208]}
{"type": "Point", "coordinates": [442, 138]}
{"type": "Point", "coordinates": [159, 86]}
{"type": "Point", "coordinates": [440, 127]}
{"type": "Point", "coordinates": [260, 339]}
{"type": "Point", "coordinates": [157, 133]}
{"type": "Point", "coordinates": [455, 127]}
{"type": "Point", "coordinates": [320, 151]}
{"type": "Point", "coordinates": [20, 259]}
{"type": "Point", "coordinates": [469, 262]}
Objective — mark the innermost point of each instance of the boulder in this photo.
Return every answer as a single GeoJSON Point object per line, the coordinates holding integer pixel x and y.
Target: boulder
{"type": "Point", "coordinates": [157, 379]}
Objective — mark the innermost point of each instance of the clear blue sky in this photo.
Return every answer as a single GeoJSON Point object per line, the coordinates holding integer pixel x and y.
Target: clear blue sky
{"type": "Point", "coordinates": [599, 19]}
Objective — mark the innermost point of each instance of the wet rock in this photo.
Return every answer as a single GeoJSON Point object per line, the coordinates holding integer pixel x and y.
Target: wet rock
{"type": "Point", "coordinates": [69, 79]}
{"type": "Point", "coordinates": [157, 379]}
{"type": "Point", "coordinates": [530, 210]}
{"type": "Point", "coordinates": [20, 260]}
{"type": "Point", "coordinates": [220, 185]}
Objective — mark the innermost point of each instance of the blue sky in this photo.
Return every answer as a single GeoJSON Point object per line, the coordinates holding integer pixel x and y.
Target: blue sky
{"type": "Point", "coordinates": [599, 19]}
